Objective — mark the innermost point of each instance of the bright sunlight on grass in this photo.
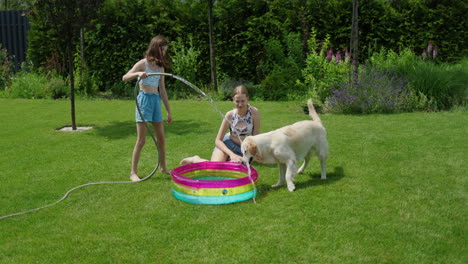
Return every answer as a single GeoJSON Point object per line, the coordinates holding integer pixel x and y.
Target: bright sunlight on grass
{"type": "Point", "coordinates": [396, 190]}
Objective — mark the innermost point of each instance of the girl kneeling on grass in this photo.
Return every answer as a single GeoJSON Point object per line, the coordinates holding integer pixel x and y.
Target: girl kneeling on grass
{"type": "Point", "coordinates": [152, 91]}
{"type": "Point", "coordinates": [245, 121]}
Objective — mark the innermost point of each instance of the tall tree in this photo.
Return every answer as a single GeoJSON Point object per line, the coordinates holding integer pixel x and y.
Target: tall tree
{"type": "Point", "coordinates": [66, 18]}
{"type": "Point", "coordinates": [214, 79]}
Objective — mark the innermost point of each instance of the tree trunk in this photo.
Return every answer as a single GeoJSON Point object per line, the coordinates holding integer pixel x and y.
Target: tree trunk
{"type": "Point", "coordinates": [82, 49]}
{"type": "Point", "coordinates": [72, 83]}
{"type": "Point", "coordinates": [354, 45]}
{"type": "Point", "coordinates": [305, 24]}
{"type": "Point", "coordinates": [214, 79]}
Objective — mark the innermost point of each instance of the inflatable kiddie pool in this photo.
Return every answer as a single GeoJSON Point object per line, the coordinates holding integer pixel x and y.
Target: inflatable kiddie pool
{"type": "Point", "coordinates": [212, 182]}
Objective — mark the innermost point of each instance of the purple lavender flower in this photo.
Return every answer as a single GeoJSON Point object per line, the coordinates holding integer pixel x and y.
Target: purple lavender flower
{"type": "Point", "coordinates": [346, 54]}
{"type": "Point", "coordinates": [434, 52]}
{"type": "Point", "coordinates": [424, 55]}
{"type": "Point", "coordinates": [329, 54]}
{"type": "Point", "coordinates": [429, 47]}
{"type": "Point", "coordinates": [377, 91]}
{"type": "Point", "coordinates": [338, 56]}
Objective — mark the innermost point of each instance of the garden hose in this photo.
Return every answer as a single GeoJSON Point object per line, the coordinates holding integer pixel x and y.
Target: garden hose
{"type": "Point", "coordinates": [108, 182]}
{"type": "Point", "coordinates": [150, 129]}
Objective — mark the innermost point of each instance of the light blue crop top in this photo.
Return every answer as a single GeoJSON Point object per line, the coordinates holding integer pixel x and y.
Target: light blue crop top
{"type": "Point", "coordinates": [152, 80]}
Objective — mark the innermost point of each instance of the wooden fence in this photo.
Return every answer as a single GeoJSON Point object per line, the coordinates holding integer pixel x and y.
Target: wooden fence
{"type": "Point", "coordinates": [14, 27]}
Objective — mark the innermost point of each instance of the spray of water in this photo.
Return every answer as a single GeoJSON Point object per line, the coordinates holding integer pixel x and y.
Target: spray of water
{"type": "Point", "coordinates": [191, 85]}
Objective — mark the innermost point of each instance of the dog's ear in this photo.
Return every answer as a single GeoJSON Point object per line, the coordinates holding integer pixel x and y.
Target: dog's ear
{"type": "Point", "coordinates": [251, 147]}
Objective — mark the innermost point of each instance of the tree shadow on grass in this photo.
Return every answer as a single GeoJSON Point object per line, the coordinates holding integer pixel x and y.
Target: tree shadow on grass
{"type": "Point", "coordinates": [119, 129]}
{"type": "Point", "coordinates": [116, 130]}
{"type": "Point", "coordinates": [314, 180]}
{"type": "Point", "coordinates": [185, 127]}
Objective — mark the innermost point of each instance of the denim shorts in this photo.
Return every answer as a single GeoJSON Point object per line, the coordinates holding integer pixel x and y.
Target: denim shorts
{"type": "Point", "coordinates": [150, 106]}
{"type": "Point", "coordinates": [231, 145]}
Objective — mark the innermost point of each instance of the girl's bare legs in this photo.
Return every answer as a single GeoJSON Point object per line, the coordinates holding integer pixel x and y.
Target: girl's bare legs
{"type": "Point", "coordinates": [190, 160]}
{"type": "Point", "coordinates": [159, 128]}
{"type": "Point", "coordinates": [218, 155]}
{"type": "Point", "coordinates": [141, 139]}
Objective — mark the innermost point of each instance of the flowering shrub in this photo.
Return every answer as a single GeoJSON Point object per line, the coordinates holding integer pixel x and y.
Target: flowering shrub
{"type": "Point", "coordinates": [323, 69]}
{"type": "Point", "coordinates": [431, 53]}
{"type": "Point", "coordinates": [443, 85]}
{"type": "Point", "coordinates": [376, 91]}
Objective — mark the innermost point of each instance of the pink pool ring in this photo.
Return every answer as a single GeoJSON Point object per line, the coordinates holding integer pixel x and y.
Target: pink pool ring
{"type": "Point", "coordinates": [213, 182]}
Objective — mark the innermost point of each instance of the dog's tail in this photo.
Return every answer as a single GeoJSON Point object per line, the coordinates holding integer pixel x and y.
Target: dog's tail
{"type": "Point", "coordinates": [312, 111]}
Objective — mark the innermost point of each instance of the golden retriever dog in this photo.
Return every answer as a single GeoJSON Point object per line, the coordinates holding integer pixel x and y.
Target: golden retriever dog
{"type": "Point", "coordinates": [289, 145]}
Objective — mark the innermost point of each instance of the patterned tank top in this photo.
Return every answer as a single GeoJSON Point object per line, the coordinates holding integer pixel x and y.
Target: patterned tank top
{"type": "Point", "coordinates": [241, 126]}
{"type": "Point", "coordinates": [152, 80]}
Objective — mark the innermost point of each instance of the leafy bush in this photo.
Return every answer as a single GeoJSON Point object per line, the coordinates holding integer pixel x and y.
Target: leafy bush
{"type": "Point", "coordinates": [185, 64]}
{"type": "Point", "coordinates": [416, 101]}
{"type": "Point", "coordinates": [282, 68]}
{"type": "Point", "coordinates": [121, 35]}
{"type": "Point", "coordinates": [6, 68]}
{"type": "Point", "coordinates": [444, 85]}
{"type": "Point", "coordinates": [389, 59]}
{"type": "Point", "coordinates": [122, 90]}
{"type": "Point", "coordinates": [32, 85]}
{"type": "Point", "coordinates": [85, 86]}
{"type": "Point", "coordinates": [322, 73]}
{"type": "Point", "coordinates": [56, 88]}
{"type": "Point", "coordinates": [280, 84]}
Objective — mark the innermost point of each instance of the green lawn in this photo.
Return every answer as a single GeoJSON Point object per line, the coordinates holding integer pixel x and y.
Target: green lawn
{"type": "Point", "coordinates": [396, 190]}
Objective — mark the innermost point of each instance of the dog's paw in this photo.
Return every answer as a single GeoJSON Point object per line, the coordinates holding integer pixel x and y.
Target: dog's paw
{"type": "Point", "coordinates": [276, 185]}
{"type": "Point", "coordinates": [291, 187]}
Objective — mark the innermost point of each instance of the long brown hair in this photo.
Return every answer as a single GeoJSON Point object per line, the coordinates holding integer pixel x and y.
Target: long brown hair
{"type": "Point", "coordinates": [240, 89]}
{"type": "Point", "coordinates": [154, 52]}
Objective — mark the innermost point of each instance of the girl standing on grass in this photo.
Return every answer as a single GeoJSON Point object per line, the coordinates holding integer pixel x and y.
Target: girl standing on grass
{"type": "Point", "coordinates": [152, 91]}
{"type": "Point", "coordinates": [244, 120]}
